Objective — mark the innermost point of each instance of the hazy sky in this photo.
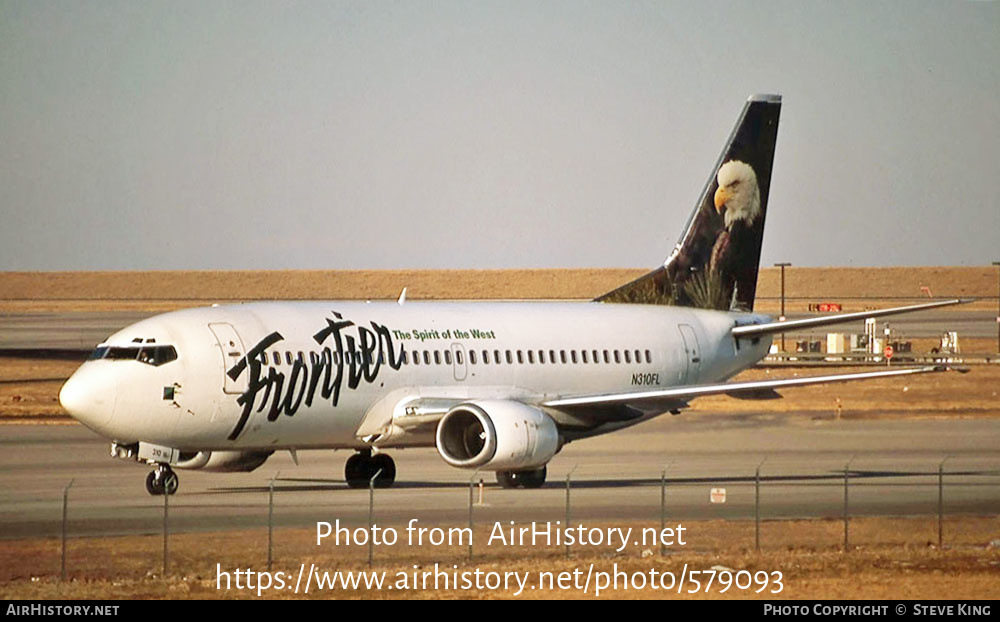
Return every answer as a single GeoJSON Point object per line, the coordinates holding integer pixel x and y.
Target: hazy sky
{"type": "Point", "coordinates": [348, 135]}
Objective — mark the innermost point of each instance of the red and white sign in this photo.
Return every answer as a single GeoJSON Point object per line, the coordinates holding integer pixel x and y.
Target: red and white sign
{"type": "Point", "coordinates": [888, 352]}
{"type": "Point", "coordinates": [826, 307]}
{"type": "Point", "coordinates": [718, 495]}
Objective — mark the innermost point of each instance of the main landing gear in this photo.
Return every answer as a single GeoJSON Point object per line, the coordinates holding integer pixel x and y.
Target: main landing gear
{"type": "Point", "coordinates": [162, 481]}
{"type": "Point", "coordinates": [360, 468]}
{"type": "Point", "coordinates": [531, 478]}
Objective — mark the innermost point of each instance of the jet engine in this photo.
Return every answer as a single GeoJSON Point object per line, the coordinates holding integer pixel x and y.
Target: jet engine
{"type": "Point", "coordinates": [496, 435]}
{"type": "Point", "coordinates": [222, 461]}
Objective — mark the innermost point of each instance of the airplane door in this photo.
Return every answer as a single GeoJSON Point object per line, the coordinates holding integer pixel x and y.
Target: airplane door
{"type": "Point", "coordinates": [692, 351]}
{"type": "Point", "coordinates": [458, 358]}
{"type": "Point", "coordinates": [231, 346]}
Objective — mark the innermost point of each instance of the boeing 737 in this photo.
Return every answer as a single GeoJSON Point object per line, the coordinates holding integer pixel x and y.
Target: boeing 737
{"type": "Point", "coordinates": [493, 386]}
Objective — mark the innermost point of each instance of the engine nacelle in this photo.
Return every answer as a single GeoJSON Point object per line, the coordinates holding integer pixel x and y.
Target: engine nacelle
{"type": "Point", "coordinates": [223, 461]}
{"type": "Point", "coordinates": [496, 435]}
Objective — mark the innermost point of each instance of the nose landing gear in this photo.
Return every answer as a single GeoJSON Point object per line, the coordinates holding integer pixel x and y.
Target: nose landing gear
{"type": "Point", "coordinates": [162, 481]}
{"type": "Point", "coordinates": [359, 469]}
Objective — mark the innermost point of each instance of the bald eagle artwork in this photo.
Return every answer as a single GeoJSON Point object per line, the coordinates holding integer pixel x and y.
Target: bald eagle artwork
{"type": "Point", "coordinates": [715, 263]}
{"type": "Point", "coordinates": [737, 200]}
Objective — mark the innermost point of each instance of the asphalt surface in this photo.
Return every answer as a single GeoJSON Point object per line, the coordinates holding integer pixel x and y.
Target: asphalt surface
{"type": "Point", "coordinates": [84, 330]}
{"type": "Point", "coordinates": [892, 469]}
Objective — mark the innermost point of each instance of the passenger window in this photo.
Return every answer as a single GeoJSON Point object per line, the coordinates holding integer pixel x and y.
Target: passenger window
{"type": "Point", "coordinates": [552, 356]}
{"type": "Point", "coordinates": [618, 358]}
{"type": "Point", "coordinates": [562, 356]}
{"type": "Point", "coordinates": [597, 359]}
{"type": "Point", "coordinates": [520, 357]}
{"type": "Point", "coordinates": [437, 357]}
{"type": "Point", "coordinates": [607, 359]}
{"type": "Point", "coordinates": [472, 356]}
{"type": "Point", "coordinates": [628, 356]}
{"type": "Point", "coordinates": [416, 357]}
{"type": "Point", "coordinates": [541, 356]}
{"type": "Point", "coordinates": [638, 356]}
{"type": "Point", "coordinates": [486, 357]}
{"type": "Point", "coordinates": [572, 355]}
{"type": "Point", "coordinates": [583, 354]}
{"type": "Point", "coordinates": [447, 357]}
{"type": "Point", "coordinates": [402, 357]}
{"type": "Point", "coordinates": [531, 356]}
{"type": "Point", "coordinates": [649, 358]}
{"type": "Point", "coordinates": [277, 358]}
{"type": "Point", "coordinates": [510, 359]}
{"type": "Point", "coordinates": [496, 356]}
{"type": "Point", "coordinates": [427, 357]}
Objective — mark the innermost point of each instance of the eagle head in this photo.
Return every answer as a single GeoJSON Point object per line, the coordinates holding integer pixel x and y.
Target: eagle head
{"type": "Point", "coordinates": [738, 193]}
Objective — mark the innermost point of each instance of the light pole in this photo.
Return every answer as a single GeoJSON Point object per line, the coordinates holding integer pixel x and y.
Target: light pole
{"type": "Point", "coordinates": [782, 318]}
{"type": "Point", "coordinates": [997, 264]}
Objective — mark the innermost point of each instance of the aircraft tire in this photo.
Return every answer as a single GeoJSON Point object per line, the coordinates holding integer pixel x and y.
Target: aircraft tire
{"type": "Point", "coordinates": [152, 486]}
{"type": "Point", "coordinates": [357, 470]}
{"type": "Point", "coordinates": [388, 466]}
{"type": "Point", "coordinates": [169, 482]}
{"type": "Point", "coordinates": [508, 479]}
{"type": "Point", "coordinates": [532, 479]}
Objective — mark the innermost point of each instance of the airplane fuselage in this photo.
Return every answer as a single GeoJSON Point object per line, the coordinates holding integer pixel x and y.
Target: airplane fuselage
{"type": "Point", "coordinates": [336, 374]}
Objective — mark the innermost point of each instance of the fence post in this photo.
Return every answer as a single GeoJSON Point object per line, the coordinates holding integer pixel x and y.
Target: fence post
{"type": "Point", "coordinates": [756, 506]}
{"type": "Point", "coordinates": [941, 503]}
{"type": "Point", "coordinates": [270, 522]}
{"type": "Point", "coordinates": [846, 519]}
{"type": "Point", "coordinates": [371, 517]}
{"type": "Point", "coordinates": [663, 509]}
{"type": "Point", "coordinates": [568, 476]}
{"type": "Point", "coordinates": [62, 572]}
{"type": "Point", "coordinates": [166, 529]}
{"type": "Point", "coordinates": [472, 488]}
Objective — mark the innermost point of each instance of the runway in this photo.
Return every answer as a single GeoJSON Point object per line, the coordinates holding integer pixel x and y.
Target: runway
{"type": "Point", "coordinates": [893, 470]}
{"type": "Point", "coordinates": [84, 330]}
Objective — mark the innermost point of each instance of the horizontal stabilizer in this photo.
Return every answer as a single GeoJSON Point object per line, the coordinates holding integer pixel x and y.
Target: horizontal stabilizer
{"type": "Point", "coordinates": [756, 330]}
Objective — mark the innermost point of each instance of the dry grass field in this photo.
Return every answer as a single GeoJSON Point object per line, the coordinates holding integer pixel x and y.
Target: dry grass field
{"type": "Point", "coordinates": [855, 288]}
{"type": "Point", "coordinates": [890, 558]}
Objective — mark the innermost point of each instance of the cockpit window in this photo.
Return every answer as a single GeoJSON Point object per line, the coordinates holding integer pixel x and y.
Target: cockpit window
{"type": "Point", "coordinates": [149, 354]}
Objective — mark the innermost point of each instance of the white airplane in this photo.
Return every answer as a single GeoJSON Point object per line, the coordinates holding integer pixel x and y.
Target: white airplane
{"type": "Point", "coordinates": [494, 386]}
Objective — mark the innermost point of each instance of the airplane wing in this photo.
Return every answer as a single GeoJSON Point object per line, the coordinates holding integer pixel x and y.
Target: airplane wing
{"type": "Point", "coordinates": [656, 398]}
{"type": "Point", "coordinates": [756, 330]}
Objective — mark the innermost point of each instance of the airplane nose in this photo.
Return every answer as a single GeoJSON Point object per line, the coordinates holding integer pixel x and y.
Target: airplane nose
{"type": "Point", "coordinates": [89, 396]}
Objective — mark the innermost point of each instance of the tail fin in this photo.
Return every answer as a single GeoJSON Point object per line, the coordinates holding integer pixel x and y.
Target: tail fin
{"type": "Point", "coordinates": [714, 264]}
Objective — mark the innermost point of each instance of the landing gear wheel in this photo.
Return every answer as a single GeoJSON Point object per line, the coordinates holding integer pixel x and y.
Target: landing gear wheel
{"type": "Point", "coordinates": [507, 479]}
{"type": "Point", "coordinates": [162, 481]}
{"type": "Point", "coordinates": [533, 479]}
{"type": "Point", "coordinates": [170, 482]}
{"type": "Point", "coordinates": [388, 467]}
{"type": "Point", "coordinates": [152, 486]}
{"type": "Point", "coordinates": [356, 470]}
{"type": "Point", "coordinates": [361, 467]}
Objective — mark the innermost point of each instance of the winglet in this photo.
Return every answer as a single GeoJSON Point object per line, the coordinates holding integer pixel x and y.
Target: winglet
{"type": "Point", "coordinates": [402, 297]}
